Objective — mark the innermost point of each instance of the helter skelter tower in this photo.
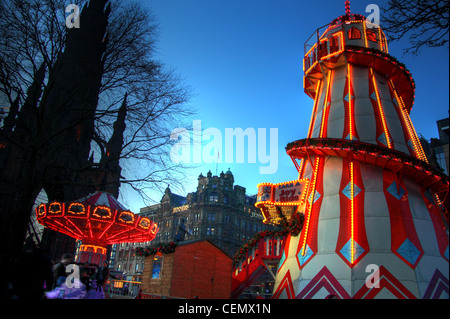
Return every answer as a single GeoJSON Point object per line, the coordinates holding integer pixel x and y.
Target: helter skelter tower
{"type": "Point", "coordinates": [375, 212]}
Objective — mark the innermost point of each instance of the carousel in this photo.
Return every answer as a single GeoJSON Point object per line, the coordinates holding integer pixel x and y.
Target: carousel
{"type": "Point", "coordinates": [97, 220]}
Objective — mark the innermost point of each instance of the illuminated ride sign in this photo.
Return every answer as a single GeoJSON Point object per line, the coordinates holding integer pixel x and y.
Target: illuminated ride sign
{"type": "Point", "coordinates": [282, 198]}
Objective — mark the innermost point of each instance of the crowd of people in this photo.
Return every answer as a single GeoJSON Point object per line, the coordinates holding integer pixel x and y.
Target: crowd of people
{"type": "Point", "coordinates": [33, 275]}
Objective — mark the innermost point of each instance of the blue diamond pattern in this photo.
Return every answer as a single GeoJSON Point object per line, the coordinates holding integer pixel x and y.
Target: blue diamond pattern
{"type": "Point", "coordinates": [354, 138]}
{"type": "Point", "coordinates": [392, 189]}
{"type": "Point", "coordinates": [302, 259]}
{"type": "Point", "coordinates": [382, 139]}
{"type": "Point", "coordinates": [408, 251]}
{"type": "Point", "coordinates": [347, 190]}
{"type": "Point", "coordinates": [346, 97]}
{"type": "Point", "coordinates": [316, 196]}
{"type": "Point", "coordinates": [282, 259]}
{"type": "Point", "coordinates": [346, 250]}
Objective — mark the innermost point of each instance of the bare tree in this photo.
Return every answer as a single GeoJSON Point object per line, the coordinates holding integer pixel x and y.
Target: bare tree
{"type": "Point", "coordinates": [426, 22]}
{"type": "Point", "coordinates": [64, 91]}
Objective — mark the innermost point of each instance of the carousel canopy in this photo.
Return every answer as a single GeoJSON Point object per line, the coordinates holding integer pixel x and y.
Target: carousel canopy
{"type": "Point", "coordinates": [97, 219]}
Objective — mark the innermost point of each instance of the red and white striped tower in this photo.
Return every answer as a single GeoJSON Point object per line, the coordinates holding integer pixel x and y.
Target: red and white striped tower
{"type": "Point", "coordinates": [375, 212]}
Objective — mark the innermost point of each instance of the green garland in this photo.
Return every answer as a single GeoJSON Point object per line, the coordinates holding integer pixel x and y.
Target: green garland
{"type": "Point", "coordinates": [294, 225]}
{"type": "Point", "coordinates": [242, 252]}
{"type": "Point", "coordinates": [165, 248]}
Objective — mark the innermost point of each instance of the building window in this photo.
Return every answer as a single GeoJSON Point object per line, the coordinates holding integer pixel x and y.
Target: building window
{"type": "Point", "coordinates": [196, 217]}
{"type": "Point", "coordinates": [354, 34]}
{"type": "Point", "coordinates": [210, 231]}
{"type": "Point", "coordinates": [440, 159]}
{"type": "Point", "coordinates": [157, 267]}
{"type": "Point", "coordinates": [137, 268]}
{"type": "Point", "coordinates": [195, 231]}
{"type": "Point", "coordinates": [211, 217]}
{"type": "Point", "coordinates": [213, 198]}
{"type": "Point", "coordinates": [227, 219]}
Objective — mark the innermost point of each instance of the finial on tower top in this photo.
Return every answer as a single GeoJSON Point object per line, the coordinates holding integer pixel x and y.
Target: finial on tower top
{"type": "Point", "coordinates": [347, 7]}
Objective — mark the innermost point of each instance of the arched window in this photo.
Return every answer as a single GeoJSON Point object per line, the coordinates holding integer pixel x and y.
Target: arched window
{"type": "Point", "coordinates": [354, 33]}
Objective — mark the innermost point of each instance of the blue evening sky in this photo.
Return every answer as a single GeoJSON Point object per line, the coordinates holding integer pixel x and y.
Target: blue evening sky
{"type": "Point", "coordinates": [244, 62]}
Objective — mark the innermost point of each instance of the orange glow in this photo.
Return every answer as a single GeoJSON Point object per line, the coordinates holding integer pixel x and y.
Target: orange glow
{"type": "Point", "coordinates": [365, 34]}
{"type": "Point", "coordinates": [309, 206]}
{"type": "Point", "coordinates": [313, 116]}
{"type": "Point", "coordinates": [380, 108]}
{"type": "Point", "coordinates": [103, 212]}
{"type": "Point", "coordinates": [55, 208]}
{"type": "Point", "coordinates": [76, 209]}
{"type": "Point", "coordinates": [154, 228]}
{"type": "Point", "coordinates": [352, 211]}
{"type": "Point", "coordinates": [274, 186]}
{"type": "Point", "coordinates": [420, 154]}
{"type": "Point", "coordinates": [340, 35]}
{"type": "Point", "coordinates": [41, 210]}
{"type": "Point", "coordinates": [322, 125]}
{"type": "Point", "coordinates": [350, 102]}
{"type": "Point", "coordinates": [144, 223]}
{"type": "Point", "coordinates": [126, 217]}
{"type": "Point", "coordinates": [94, 248]}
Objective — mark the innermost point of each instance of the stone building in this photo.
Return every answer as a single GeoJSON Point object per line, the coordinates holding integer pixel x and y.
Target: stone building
{"type": "Point", "coordinates": [218, 211]}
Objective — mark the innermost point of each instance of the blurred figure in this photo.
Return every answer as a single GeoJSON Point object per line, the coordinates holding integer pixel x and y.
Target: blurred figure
{"type": "Point", "coordinates": [102, 276]}
{"type": "Point", "coordinates": [59, 272]}
{"type": "Point", "coordinates": [32, 271]}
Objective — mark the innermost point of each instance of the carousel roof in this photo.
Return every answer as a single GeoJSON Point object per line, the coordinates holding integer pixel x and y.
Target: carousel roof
{"type": "Point", "coordinates": [96, 219]}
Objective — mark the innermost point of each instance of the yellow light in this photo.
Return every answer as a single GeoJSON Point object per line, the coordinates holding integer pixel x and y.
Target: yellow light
{"type": "Point", "coordinates": [340, 35]}
{"type": "Point", "coordinates": [126, 217]}
{"type": "Point", "coordinates": [420, 154]}
{"type": "Point", "coordinates": [313, 117]}
{"type": "Point", "coordinates": [380, 108]}
{"type": "Point", "coordinates": [352, 228]}
{"type": "Point", "coordinates": [103, 212]}
{"type": "Point", "coordinates": [350, 115]}
{"type": "Point", "coordinates": [322, 125]}
{"type": "Point", "coordinates": [365, 35]}
{"type": "Point", "coordinates": [309, 206]}
{"type": "Point", "coordinates": [261, 204]}
{"type": "Point", "coordinates": [95, 248]}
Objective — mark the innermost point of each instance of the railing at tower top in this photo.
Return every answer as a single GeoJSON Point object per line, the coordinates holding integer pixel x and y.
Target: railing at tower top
{"type": "Point", "coordinates": [265, 252]}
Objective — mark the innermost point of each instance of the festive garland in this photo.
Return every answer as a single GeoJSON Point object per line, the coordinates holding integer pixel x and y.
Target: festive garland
{"type": "Point", "coordinates": [242, 252]}
{"type": "Point", "coordinates": [294, 225]}
{"type": "Point", "coordinates": [166, 248]}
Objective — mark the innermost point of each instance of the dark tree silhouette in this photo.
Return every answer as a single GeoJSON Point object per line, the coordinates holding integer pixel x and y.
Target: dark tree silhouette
{"type": "Point", "coordinates": [425, 22]}
{"type": "Point", "coordinates": [78, 104]}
